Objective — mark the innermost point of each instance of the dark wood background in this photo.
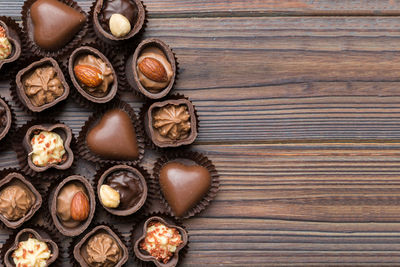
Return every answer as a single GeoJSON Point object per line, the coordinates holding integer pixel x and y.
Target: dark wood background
{"type": "Point", "coordinates": [299, 103]}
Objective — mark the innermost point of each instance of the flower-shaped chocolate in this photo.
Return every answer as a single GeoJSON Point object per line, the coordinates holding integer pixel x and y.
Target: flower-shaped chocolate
{"type": "Point", "coordinates": [173, 257]}
{"type": "Point", "coordinates": [10, 43]}
{"type": "Point", "coordinates": [27, 235]}
{"type": "Point", "coordinates": [62, 135]}
{"type": "Point", "coordinates": [101, 247]}
{"type": "Point", "coordinates": [19, 200]}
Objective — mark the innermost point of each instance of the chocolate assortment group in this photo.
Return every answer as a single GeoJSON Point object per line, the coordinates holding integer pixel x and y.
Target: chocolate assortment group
{"type": "Point", "coordinates": [55, 198]}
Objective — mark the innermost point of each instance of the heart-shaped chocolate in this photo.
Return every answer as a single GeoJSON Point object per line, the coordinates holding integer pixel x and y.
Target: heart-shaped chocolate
{"type": "Point", "coordinates": [55, 23]}
{"type": "Point", "coordinates": [183, 186]}
{"type": "Point", "coordinates": [114, 137]}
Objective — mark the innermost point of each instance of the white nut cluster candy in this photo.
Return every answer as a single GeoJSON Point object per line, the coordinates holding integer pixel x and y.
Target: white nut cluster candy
{"type": "Point", "coordinates": [119, 25]}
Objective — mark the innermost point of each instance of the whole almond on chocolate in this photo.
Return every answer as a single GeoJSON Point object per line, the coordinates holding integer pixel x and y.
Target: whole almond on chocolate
{"type": "Point", "coordinates": [153, 69]}
{"type": "Point", "coordinates": [88, 75]}
{"type": "Point", "coordinates": [80, 207]}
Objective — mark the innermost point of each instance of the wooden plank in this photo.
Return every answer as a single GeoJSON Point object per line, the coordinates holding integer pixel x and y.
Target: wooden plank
{"type": "Point", "coordinates": [212, 8]}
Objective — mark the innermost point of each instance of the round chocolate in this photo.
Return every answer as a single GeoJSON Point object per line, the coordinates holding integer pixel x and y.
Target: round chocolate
{"type": "Point", "coordinates": [61, 205]}
{"type": "Point", "coordinates": [14, 40]}
{"type": "Point", "coordinates": [132, 73]}
{"type": "Point", "coordinates": [5, 118]}
{"type": "Point", "coordinates": [46, 75]}
{"type": "Point", "coordinates": [91, 246]}
{"type": "Point", "coordinates": [130, 183]}
{"type": "Point", "coordinates": [104, 90]}
{"type": "Point", "coordinates": [19, 200]}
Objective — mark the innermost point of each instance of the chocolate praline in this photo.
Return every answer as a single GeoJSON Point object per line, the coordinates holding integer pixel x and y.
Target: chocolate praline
{"type": "Point", "coordinates": [102, 12]}
{"type": "Point", "coordinates": [17, 179]}
{"type": "Point", "coordinates": [139, 234]}
{"type": "Point", "coordinates": [5, 118]}
{"type": "Point", "coordinates": [112, 87]}
{"type": "Point", "coordinates": [66, 135]}
{"type": "Point", "coordinates": [80, 253]}
{"type": "Point", "coordinates": [29, 70]}
{"type": "Point", "coordinates": [131, 185]}
{"type": "Point", "coordinates": [15, 41]}
{"type": "Point", "coordinates": [165, 141]}
{"type": "Point", "coordinates": [132, 73]}
{"type": "Point", "coordinates": [40, 235]}
{"type": "Point", "coordinates": [60, 225]}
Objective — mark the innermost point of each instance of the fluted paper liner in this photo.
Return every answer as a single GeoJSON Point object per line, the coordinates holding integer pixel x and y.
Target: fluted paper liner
{"type": "Point", "coordinates": [85, 152]}
{"type": "Point", "coordinates": [200, 160]}
{"type": "Point", "coordinates": [8, 131]}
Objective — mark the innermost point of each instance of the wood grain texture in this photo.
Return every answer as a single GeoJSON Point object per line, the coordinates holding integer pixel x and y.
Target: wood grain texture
{"type": "Point", "coordinates": [300, 114]}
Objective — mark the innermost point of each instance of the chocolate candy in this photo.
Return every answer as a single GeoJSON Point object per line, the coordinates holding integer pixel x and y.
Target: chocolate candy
{"type": "Point", "coordinates": [123, 7]}
{"type": "Point", "coordinates": [129, 187]}
{"type": "Point", "coordinates": [31, 252]}
{"type": "Point", "coordinates": [101, 247]}
{"type": "Point", "coordinates": [54, 23]}
{"type": "Point", "coordinates": [64, 203]}
{"type": "Point", "coordinates": [9, 39]}
{"type": "Point", "coordinates": [5, 118]}
{"type": "Point", "coordinates": [5, 45]}
{"type": "Point", "coordinates": [183, 186]}
{"type": "Point", "coordinates": [114, 137]}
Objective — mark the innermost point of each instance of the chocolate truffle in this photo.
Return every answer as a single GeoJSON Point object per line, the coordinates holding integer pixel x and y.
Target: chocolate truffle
{"type": "Point", "coordinates": [47, 148]}
{"type": "Point", "coordinates": [71, 197]}
{"type": "Point", "coordinates": [42, 85]}
{"type": "Point", "coordinates": [54, 23]}
{"type": "Point", "coordinates": [183, 186]}
{"type": "Point", "coordinates": [153, 69]}
{"type": "Point", "coordinates": [31, 252]}
{"type": "Point", "coordinates": [161, 241]}
{"type": "Point", "coordinates": [5, 45]}
{"type": "Point", "coordinates": [124, 7]}
{"type": "Point", "coordinates": [94, 75]}
{"type": "Point", "coordinates": [16, 201]}
{"type": "Point", "coordinates": [102, 250]}
{"type": "Point", "coordinates": [114, 137]}
{"type": "Point", "coordinates": [128, 185]}
{"type": "Point", "coordinates": [172, 121]}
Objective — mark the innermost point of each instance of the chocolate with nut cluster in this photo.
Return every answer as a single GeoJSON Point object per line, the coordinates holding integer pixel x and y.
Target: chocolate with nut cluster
{"type": "Point", "coordinates": [10, 43]}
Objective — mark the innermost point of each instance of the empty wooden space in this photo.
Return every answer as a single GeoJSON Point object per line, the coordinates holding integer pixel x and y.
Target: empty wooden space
{"type": "Point", "coordinates": [299, 105]}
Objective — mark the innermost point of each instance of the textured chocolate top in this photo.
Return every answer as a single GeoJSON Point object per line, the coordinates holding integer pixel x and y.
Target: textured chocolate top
{"type": "Point", "coordinates": [128, 186]}
{"type": "Point", "coordinates": [15, 201]}
{"type": "Point", "coordinates": [102, 251]}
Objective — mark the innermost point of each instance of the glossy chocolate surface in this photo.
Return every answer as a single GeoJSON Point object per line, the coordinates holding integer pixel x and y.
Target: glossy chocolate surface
{"type": "Point", "coordinates": [66, 135]}
{"type": "Point", "coordinates": [127, 8]}
{"type": "Point", "coordinates": [64, 199]}
{"type": "Point", "coordinates": [164, 141]}
{"type": "Point", "coordinates": [5, 118]}
{"type": "Point", "coordinates": [112, 87]}
{"type": "Point", "coordinates": [26, 72]}
{"type": "Point", "coordinates": [70, 228]}
{"type": "Point", "coordinates": [183, 185]}
{"type": "Point", "coordinates": [81, 251]}
{"type": "Point", "coordinates": [23, 235]}
{"type": "Point", "coordinates": [15, 41]}
{"type": "Point", "coordinates": [17, 179]}
{"type": "Point", "coordinates": [139, 234]}
{"type": "Point", "coordinates": [114, 137]}
{"type": "Point", "coordinates": [54, 23]}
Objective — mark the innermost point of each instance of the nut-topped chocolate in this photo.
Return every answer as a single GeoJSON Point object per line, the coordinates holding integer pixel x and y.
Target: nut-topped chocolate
{"type": "Point", "coordinates": [31, 248]}
{"type": "Point", "coordinates": [52, 24]}
{"type": "Point", "coordinates": [10, 43]}
{"type": "Point", "coordinates": [48, 146]}
{"type": "Point", "coordinates": [19, 200]}
{"type": "Point", "coordinates": [151, 70]}
{"type": "Point", "coordinates": [5, 118]}
{"type": "Point", "coordinates": [41, 85]}
{"type": "Point", "coordinates": [171, 123]}
{"type": "Point", "coordinates": [159, 240]}
{"type": "Point", "coordinates": [101, 247]}
{"type": "Point", "coordinates": [122, 190]}
{"type": "Point", "coordinates": [72, 205]}
{"type": "Point", "coordinates": [92, 74]}
{"type": "Point", "coordinates": [118, 20]}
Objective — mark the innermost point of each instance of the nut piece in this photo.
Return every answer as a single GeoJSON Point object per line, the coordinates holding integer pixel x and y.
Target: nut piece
{"type": "Point", "coordinates": [119, 25]}
{"type": "Point", "coordinates": [89, 75]}
{"type": "Point", "coordinates": [79, 207]}
{"type": "Point", "coordinates": [109, 196]}
{"type": "Point", "coordinates": [153, 69]}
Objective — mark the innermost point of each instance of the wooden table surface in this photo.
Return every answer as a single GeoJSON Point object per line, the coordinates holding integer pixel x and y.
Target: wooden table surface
{"type": "Point", "coordinates": [299, 103]}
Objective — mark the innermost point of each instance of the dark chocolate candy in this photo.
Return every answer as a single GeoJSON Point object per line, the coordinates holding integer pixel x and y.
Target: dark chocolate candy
{"type": "Point", "coordinates": [123, 7]}
{"type": "Point", "coordinates": [183, 186]}
{"type": "Point", "coordinates": [55, 23]}
{"type": "Point", "coordinates": [114, 137]}
{"type": "Point", "coordinates": [128, 186]}
{"type": "Point", "coordinates": [5, 118]}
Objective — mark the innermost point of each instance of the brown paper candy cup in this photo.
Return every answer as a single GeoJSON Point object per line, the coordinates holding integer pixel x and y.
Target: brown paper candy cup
{"type": "Point", "coordinates": [9, 129]}
{"type": "Point", "coordinates": [199, 159]}
{"type": "Point", "coordinates": [22, 154]}
{"type": "Point", "coordinates": [87, 154]}
{"type": "Point", "coordinates": [46, 233]}
{"type": "Point", "coordinates": [28, 29]}
{"type": "Point", "coordinates": [137, 233]}
{"type": "Point", "coordinates": [75, 242]}
{"type": "Point", "coordinates": [7, 66]}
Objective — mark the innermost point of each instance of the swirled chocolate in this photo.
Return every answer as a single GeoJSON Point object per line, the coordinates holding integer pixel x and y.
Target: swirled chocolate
{"type": "Point", "coordinates": [129, 187]}
{"type": "Point", "coordinates": [16, 201]}
{"type": "Point", "coordinates": [123, 7]}
{"type": "Point", "coordinates": [102, 250]}
{"type": "Point", "coordinates": [172, 121]}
